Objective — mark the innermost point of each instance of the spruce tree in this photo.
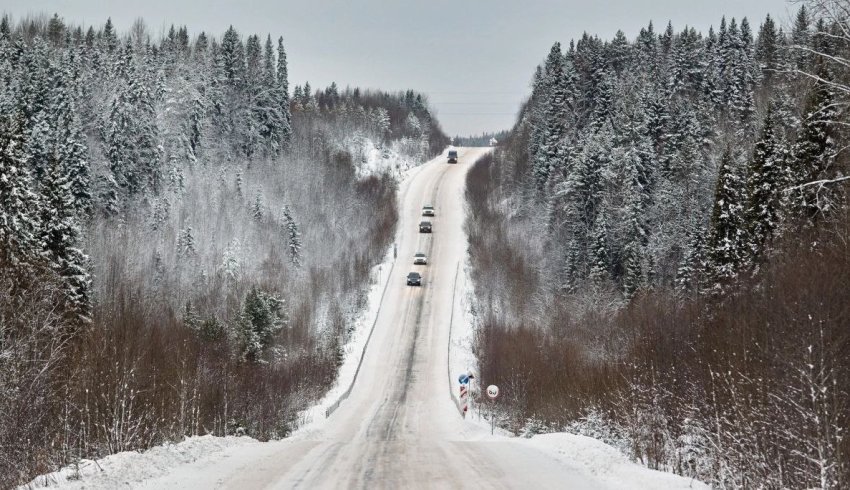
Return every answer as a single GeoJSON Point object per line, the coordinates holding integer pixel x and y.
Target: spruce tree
{"type": "Point", "coordinates": [767, 51]}
{"type": "Point", "coordinates": [257, 207]}
{"type": "Point", "coordinates": [186, 246]}
{"type": "Point", "coordinates": [599, 255]}
{"type": "Point", "coordinates": [68, 141]}
{"type": "Point", "coordinates": [726, 248]}
{"type": "Point", "coordinates": [110, 37]}
{"type": "Point", "coordinates": [283, 93]}
{"type": "Point", "coordinates": [764, 182]}
{"type": "Point", "coordinates": [814, 150]}
{"type": "Point", "coordinates": [132, 145]}
{"type": "Point", "coordinates": [555, 116]}
{"type": "Point", "coordinates": [269, 69]}
{"type": "Point", "coordinates": [254, 73]}
{"type": "Point", "coordinates": [19, 206]}
{"type": "Point", "coordinates": [261, 320]}
{"type": "Point", "coordinates": [691, 269]}
{"type": "Point", "coordinates": [60, 237]}
{"type": "Point", "coordinates": [800, 39]}
{"type": "Point", "coordinates": [293, 237]}
{"type": "Point", "coordinates": [233, 58]}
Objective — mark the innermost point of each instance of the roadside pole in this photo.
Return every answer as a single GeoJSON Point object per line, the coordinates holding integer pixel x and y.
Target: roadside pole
{"type": "Point", "coordinates": [463, 379]}
{"type": "Point", "coordinates": [492, 394]}
{"type": "Point", "coordinates": [471, 377]}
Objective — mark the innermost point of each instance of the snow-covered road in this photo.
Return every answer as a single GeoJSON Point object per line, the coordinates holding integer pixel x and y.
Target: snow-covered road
{"type": "Point", "coordinates": [400, 428]}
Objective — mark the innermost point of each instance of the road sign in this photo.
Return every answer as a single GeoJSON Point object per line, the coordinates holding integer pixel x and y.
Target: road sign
{"type": "Point", "coordinates": [493, 391]}
{"type": "Point", "coordinates": [463, 379]}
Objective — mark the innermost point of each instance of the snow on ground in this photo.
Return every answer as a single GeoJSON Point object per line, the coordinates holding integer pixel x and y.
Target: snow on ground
{"type": "Point", "coordinates": [121, 469]}
{"type": "Point", "coordinates": [605, 463]}
{"type": "Point", "coordinates": [584, 455]}
{"type": "Point", "coordinates": [374, 159]}
{"type": "Point", "coordinates": [313, 418]}
{"type": "Point", "coordinates": [589, 455]}
{"type": "Point", "coordinates": [132, 466]}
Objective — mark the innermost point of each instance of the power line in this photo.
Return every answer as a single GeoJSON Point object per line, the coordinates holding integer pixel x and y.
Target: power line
{"type": "Point", "coordinates": [441, 114]}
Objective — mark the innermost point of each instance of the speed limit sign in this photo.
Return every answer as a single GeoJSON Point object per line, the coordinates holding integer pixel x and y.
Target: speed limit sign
{"type": "Point", "coordinates": [493, 391]}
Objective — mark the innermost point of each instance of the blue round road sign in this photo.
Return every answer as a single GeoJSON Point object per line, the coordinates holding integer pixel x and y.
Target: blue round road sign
{"type": "Point", "coordinates": [463, 379]}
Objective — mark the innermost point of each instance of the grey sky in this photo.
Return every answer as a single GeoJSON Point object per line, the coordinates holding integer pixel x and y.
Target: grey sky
{"type": "Point", "coordinates": [473, 58]}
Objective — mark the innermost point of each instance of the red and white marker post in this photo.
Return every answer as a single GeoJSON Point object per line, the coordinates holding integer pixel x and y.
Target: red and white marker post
{"type": "Point", "coordinates": [464, 399]}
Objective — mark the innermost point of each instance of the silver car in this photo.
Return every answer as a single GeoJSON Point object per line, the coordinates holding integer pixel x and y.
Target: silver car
{"type": "Point", "coordinates": [420, 259]}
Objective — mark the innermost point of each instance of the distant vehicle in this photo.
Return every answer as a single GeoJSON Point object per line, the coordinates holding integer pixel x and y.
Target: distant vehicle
{"type": "Point", "coordinates": [419, 258]}
{"type": "Point", "coordinates": [414, 279]}
{"type": "Point", "coordinates": [452, 156]}
{"type": "Point", "coordinates": [424, 227]}
{"type": "Point", "coordinates": [427, 210]}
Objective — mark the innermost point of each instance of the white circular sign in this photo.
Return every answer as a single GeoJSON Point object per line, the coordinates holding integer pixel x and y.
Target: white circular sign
{"type": "Point", "coordinates": [493, 391]}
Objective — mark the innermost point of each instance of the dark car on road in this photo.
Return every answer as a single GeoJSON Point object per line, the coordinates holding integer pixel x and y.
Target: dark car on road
{"type": "Point", "coordinates": [414, 279]}
{"type": "Point", "coordinates": [424, 227]}
{"type": "Point", "coordinates": [452, 156]}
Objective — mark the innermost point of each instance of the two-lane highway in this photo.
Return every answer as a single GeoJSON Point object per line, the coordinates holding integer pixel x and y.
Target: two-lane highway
{"type": "Point", "coordinates": [399, 428]}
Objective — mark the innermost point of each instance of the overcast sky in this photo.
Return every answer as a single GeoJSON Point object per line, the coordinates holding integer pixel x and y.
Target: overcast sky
{"type": "Point", "coordinates": [473, 58]}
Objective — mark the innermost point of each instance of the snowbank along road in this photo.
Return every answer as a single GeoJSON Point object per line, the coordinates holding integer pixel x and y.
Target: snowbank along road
{"type": "Point", "coordinates": [399, 428]}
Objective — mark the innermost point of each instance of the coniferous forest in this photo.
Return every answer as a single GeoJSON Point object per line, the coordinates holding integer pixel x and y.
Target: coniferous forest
{"type": "Point", "coordinates": [686, 296]}
{"type": "Point", "coordinates": [183, 245]}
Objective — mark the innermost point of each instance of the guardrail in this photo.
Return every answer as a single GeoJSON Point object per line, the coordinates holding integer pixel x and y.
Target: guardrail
{"type": "Point", "coordinates": [332, 408]}
{"type": "Point", "coordinates": [449, 346]}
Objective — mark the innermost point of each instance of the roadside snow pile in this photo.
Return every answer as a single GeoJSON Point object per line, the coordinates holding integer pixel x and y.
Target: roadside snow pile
{"type": "Point", "coordinates": [312, 418]}
{"type": "Point", "coordinates": [606, 463]}
{"type": "Point", "coordinates": [461, 357]}
{"type": "Point", "coordinates": [123, 469]}
{"type": "Point", "coordinates": [375, 159]}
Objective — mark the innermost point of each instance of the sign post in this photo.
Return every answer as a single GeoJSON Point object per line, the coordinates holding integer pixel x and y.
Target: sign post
{"type": "Point", "coordinates": [463, 379]}
{"type": "Point", "coordinates": [492, 393]}
{"type": "Point", "coordinates": [470, 376]}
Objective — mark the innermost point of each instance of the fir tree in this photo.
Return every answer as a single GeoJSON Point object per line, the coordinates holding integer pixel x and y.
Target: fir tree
{"type": "Point", "coordinates": [60, 239]}
{"type": "Point", "coordinates": [233, 58]}
{"type": "Point", "coordinates": [261, 320]}
{"type": "Point", "coordinates": [814, 150]}
{"type": "Point", "coordinates": [689, 274]}
{"type": "Point", "coordinates": [556, 107]}
{"type": "Point", "coordinates": [19, 206]}
{"type": "Point", "coordinates": [768, 50]}
{"type": "Point", "coordinates": [110, 37]}
{"type": "Point", "coordinates": [765, 178]}
{"type": "Point", "coordinates": [186, 243]}
{"type": "Point", "coordinates": [131, 135]}
{"type": "Point", "coordinates": [5, 29]}
{"type": "Point", "coordinates": [283, 93]}
{"type": "Point", "coordinates": [599, 256]}
{"type": "Point", "coordinates": [293, 237]}
{"type": "Point", "coordinates": [726, 247]}
{"type": "Point", "coordinates": [800, 38]}
{"type": "Point", "coordinates": [257, 207]}
{"type": "Point", "coordinates": [56, 30]}
{"type": "Point", "coordinates": [269, 69]}
{"type": "Point", "coordinates": [69, 143]}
